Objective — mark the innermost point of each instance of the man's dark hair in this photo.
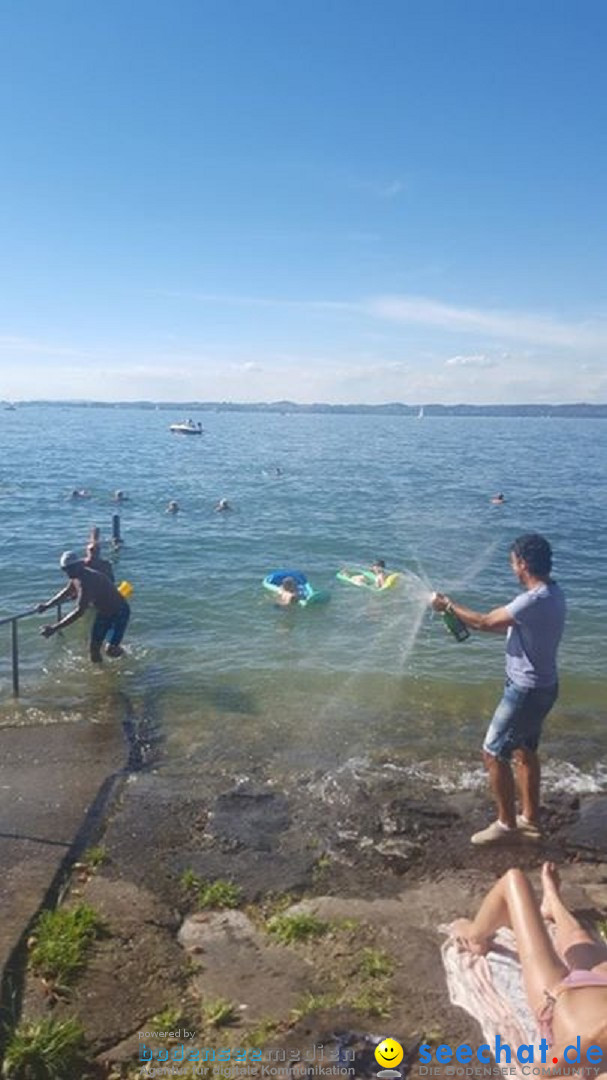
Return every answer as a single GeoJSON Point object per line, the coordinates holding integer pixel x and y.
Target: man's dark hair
{"type": "Point", "coordinates": [536, 552]}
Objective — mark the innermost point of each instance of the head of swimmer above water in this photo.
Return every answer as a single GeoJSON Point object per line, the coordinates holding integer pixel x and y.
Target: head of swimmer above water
{"type": "Point", "coordinates": [289, 585]}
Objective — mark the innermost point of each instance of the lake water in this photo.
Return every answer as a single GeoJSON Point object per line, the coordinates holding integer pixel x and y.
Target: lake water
{"type": "Point", "coordinates": [365, 677]}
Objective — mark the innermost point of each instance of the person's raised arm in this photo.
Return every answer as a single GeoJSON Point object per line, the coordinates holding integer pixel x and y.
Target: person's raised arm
{"type": "Point", "coordinates": [496, 621]}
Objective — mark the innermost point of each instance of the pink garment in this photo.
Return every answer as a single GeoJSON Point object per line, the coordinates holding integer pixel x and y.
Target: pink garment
{"type": "Point", "coordinates": [580, 979]}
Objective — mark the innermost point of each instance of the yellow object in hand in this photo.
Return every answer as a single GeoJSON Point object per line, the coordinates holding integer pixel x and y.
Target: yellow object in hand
{"type": "Point", "coordinates": [125, 589]}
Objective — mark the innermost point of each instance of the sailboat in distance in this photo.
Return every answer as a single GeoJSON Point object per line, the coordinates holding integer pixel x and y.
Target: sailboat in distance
{"type": "Point", "coordinates": [420, 415]}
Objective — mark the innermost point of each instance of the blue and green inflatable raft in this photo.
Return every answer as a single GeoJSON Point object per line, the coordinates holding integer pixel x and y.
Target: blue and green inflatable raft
{"type": "Point", "coordinates": [306, 593]}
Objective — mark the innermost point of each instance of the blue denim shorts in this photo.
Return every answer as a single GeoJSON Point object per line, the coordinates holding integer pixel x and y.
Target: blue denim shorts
{"type": "Point", "coordinates": [517, 721]}
{"type": "Point", "coordinates": [114, 624]}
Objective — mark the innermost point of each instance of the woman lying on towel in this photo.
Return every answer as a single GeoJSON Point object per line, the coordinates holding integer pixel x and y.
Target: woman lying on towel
{"type": "Point", "coordinates": [566, 982]}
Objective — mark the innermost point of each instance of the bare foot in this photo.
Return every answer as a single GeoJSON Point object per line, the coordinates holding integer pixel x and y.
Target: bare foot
{"type": "Point", "coordinates": [551, 884]}
{"type": "Point", "coordinates": [462, 931]}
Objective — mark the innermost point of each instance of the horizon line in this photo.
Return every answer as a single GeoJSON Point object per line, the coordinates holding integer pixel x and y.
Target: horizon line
{"type": "Point", "coordinates": [288, 402]}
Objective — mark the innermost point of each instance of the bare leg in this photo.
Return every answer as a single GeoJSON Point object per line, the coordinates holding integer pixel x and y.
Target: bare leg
{"type": "Point", "coordinates": [576, 946]}
{"type": "Point", "coordinates": [502, 786]}
{"type": "Point", "coordinates": [512, 902]}
{"type": "Point", "coordinates": [528, 783]}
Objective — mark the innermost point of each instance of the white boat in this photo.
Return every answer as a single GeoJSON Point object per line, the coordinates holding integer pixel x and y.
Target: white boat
{"type": "Point", "coordinates": [186, 427]}
{"type": "Point", "coordinates": [420, 415]}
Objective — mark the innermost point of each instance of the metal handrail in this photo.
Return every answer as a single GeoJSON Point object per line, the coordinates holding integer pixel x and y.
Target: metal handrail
{"type": "Point", "coordinates": [21, 615]}
{"type": "Point", "coordinates": [13, 620]}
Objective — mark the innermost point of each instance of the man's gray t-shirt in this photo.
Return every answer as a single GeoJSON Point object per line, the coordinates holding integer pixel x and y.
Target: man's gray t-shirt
{"type": "Point", "coordinates": [533, 641]}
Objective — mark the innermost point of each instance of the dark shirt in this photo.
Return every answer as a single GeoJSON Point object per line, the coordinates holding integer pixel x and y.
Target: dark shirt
{"type": "Point", "coordinates": [97, 589]}
{"type": "Point", "coordinates": [95, 562]}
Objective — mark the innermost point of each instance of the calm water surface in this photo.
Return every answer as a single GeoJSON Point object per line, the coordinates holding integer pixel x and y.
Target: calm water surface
{"type": "Point", "coordinates": [221, 668]}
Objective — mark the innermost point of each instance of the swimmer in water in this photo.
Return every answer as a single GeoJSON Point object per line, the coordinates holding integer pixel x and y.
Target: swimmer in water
{"type": "Point", "coordinates": [287, 593]}
{"type": "Point", "coordinates": [378, 570]}
{"type": "Point", "coordinates": [81, 494]}
{"type": "Point", "coordinates": [173, 507]}
{"type": "Point", "coordinates": [222, 505]}
{"type": "Point", "coordinates": [120, 497]}
{"type": "Point", "coordinates": [498, 499]}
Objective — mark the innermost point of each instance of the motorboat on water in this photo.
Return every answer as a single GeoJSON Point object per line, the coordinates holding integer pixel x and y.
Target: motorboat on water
{"type": "Point", "coordinates": [186, 427]}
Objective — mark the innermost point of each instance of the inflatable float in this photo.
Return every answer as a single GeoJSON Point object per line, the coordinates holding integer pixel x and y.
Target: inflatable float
{"type": "Point", "coordinates": [306, 593]}
{"type": "Point", "coordinates": [365, 579]}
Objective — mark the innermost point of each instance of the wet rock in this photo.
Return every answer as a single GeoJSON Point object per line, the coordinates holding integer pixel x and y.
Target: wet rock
{"type": "Point", "coordinates": [399, 852]}
{"type": "Point", "coordinates": [590, 829]}
{"type": "Point", "coordinates": [236, 960]}
{"type": "Point", "coordinates": [255, 872]}
{"type": "Point", "coordinates": [250, 816]}
{"type": "Point", "coordinates": [407, 816]}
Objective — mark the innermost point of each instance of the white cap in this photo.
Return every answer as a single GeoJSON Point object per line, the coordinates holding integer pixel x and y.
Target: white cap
{"type": "Point", "coordinates": [69, 558]}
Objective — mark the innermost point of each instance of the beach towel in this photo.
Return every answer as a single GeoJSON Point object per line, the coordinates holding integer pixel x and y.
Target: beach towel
{"type": "Point", "coordinates": [490, 988]}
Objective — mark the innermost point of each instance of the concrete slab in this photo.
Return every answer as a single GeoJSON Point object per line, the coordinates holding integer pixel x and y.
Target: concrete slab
{"type": "Point", "coordinates": [54, 780]}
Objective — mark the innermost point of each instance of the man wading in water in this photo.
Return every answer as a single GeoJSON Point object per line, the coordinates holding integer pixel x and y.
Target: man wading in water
{"type": "Point", "coordinates": [93, 588]}
{"type": "Point", "coordinates": [533, 623]}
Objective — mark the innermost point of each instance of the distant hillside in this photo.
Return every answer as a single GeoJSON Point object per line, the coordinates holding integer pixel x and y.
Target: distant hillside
{"type": "Point", "coordinates": [395, 408]}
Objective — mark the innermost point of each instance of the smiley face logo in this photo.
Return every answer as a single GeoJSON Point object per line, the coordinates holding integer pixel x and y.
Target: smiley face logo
{"type": "Point", "coordinates": [389, 1053]}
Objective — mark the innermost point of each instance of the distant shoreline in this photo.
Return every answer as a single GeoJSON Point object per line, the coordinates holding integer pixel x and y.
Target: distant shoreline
{"type": "Point", "coordinates": [572, 411]}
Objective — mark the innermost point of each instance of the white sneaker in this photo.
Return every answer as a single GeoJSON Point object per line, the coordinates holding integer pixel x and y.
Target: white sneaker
{"type": "Point", "coordinates": [495, 833]}
{"type": "Point", "coordinates": [529, 829]}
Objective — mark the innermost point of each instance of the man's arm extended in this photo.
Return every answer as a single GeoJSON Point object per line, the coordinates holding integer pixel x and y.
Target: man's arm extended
{"type": "Point", "coordinates": [64, 594]}
{"type": "Point", "coordinates": [67, 620]}
{"type": "Point", "coordinates": [493, 622]}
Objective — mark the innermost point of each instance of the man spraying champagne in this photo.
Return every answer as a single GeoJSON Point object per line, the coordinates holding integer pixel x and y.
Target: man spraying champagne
{"type": "Point", "coordinates": [533, 623]}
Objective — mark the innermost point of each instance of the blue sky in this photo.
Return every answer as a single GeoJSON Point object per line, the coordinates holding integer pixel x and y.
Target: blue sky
{"type": "Point", "coordinates": [342, 200]}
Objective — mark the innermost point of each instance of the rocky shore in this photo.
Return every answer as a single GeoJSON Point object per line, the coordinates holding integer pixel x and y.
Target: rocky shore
{"type": "Point", "coordinates": [321, 930]}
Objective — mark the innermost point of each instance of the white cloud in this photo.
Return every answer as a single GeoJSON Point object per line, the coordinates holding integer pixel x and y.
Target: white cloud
{"type": "Point", "coordinates": [248, 367]}
{"type": "Point", "coordinates": [474, 360]}
{"type": "Point", "coordinates": [517, 326]}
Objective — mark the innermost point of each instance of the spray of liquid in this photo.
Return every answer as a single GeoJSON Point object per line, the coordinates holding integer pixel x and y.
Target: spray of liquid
{"type": "Point", "coordinates": [475, 568]}
{"type": "Point", "coordinates": [386, 626]}
{"type": "Point", "coordinates": [386, 630]}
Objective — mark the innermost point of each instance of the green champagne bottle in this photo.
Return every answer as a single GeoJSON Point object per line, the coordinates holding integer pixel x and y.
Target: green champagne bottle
{"type": "Point", "coordinates": [455, 625]}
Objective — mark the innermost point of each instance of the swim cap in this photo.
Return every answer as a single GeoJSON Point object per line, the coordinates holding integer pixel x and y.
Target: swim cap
{"type": "Point", "coordinates": [68, 559]}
